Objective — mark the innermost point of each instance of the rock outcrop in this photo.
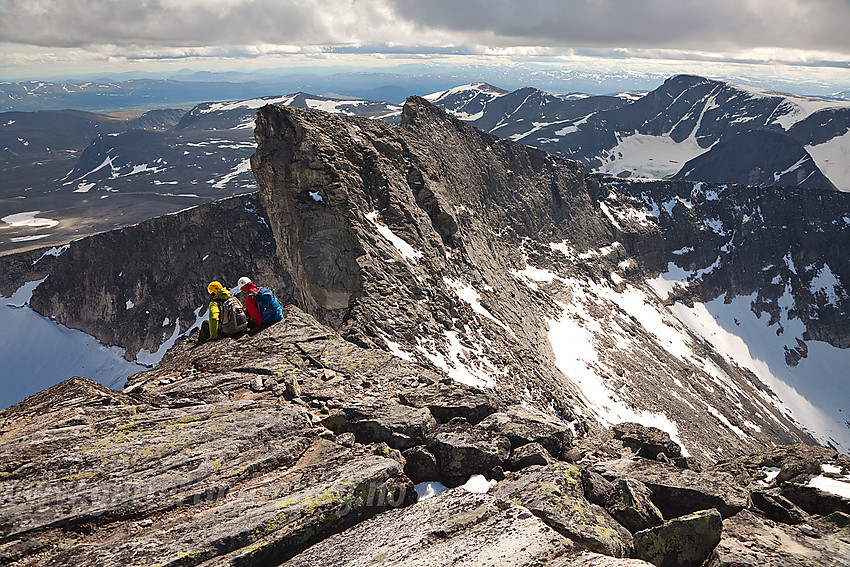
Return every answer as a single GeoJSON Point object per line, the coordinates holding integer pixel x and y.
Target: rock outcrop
{"type": "Point", "coordinates": [228, 454]}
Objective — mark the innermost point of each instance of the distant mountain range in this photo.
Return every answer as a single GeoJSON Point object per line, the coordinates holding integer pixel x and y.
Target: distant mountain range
{"type": "Point", "coordinates": [689, 128]}
{"type": "Point", "coordinates": [67, 173]}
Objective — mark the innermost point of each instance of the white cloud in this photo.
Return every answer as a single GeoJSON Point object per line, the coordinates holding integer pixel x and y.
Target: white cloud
{"type": "Point", "coordinates": [49, 34]}
{"type": "Point", "coordinates": [193, 23]}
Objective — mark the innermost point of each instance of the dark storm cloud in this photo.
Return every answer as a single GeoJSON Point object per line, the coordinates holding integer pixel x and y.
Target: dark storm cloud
{"type": "Point", "coordinates": [692, 24]}
{"type": "Point", "coordinates": [717, 25]}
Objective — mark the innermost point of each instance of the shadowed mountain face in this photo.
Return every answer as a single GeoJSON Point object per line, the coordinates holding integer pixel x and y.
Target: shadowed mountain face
{"type": "Point", "coordinates": [761, 158]}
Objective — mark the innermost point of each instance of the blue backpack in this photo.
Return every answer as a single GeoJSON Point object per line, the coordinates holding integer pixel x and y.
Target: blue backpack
{"type": "Point", "coordinates": [270, 308]}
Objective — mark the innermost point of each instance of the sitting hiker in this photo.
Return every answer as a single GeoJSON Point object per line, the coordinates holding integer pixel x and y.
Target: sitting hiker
{"type": "Point", "coordinates": [261, 303]}
{"type": "Point", "coordinates": [226, 316]}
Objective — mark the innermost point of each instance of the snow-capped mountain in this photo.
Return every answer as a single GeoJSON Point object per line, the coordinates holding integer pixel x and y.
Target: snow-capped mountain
{"type": "Point", "coordinates": [688, 128]}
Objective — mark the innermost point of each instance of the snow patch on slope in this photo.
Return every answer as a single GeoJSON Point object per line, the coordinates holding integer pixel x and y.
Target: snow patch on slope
{"type": "Point", "coordinates": [833, 159]}
{"type": "Point", "coordinates": [573, 335]}
{"type": "Point", "coordinates": [406, 250]}
{"type": "Point", "coordinates": [813, 392]}
{"type": "Point", "coordinates": [641, 154]}
{"type": "Point", "coordinates": [28, 219]}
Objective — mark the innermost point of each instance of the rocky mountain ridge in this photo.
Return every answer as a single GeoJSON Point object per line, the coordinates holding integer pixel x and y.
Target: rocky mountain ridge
{"type": "Point", "coordinates": [506, 267]}
{"type": "Point", "coordinates": [418, 258]}
{"type": "Point", "coordinates": [688, 128]}
{"type": "Point", "coordinates": [296, 447]}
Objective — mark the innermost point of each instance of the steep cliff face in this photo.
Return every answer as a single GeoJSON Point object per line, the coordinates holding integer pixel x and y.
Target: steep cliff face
{"type": "Point", "coordinates": [384, 229]}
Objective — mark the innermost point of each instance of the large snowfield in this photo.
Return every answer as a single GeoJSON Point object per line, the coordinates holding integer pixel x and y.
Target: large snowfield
{"type": "Point", "coordinates": [814, 392]}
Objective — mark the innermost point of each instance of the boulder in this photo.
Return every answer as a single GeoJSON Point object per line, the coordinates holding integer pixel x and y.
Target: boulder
{"type": "Point", "coordinates": [447, 401]}
{"type": "Point", "coordinates": [524, 425]}
{"type": "Point", "coordinates": [421, 465]}
{"type": "Point", "coordinates": [597, 488]}
{"type": "Point", "coordinates": [555, 494]}
{"type": "Point", "coordinates": [632, 506]}
{"type": "Point", "coordinates": [462, 450]}
{"type": "Point", "coordinates": [527, 455]}
{"type": "Point", "coordinates": [813, 500]}
{"type": "Point", "coordinates": [773, 505]}
{"type": "Point", "coordinates": [676, 491]}
{"type": "Point", "coordinates": [687, 541]}
{"type": "Point", "coordinates": [649, 441]}
{"type": "Point", "coordinates": [374, 420]}
{"type": "Point", "coordinates": [802, 460]}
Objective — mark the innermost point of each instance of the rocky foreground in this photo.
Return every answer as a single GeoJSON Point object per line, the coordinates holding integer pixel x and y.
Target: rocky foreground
{"type": "Point", "coordinates": [297, 447]}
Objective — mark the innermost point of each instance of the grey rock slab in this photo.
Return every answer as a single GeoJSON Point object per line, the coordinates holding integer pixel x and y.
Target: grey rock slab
{"type": "Point", "coordinates": [264, 521]}
{"type": "Point", "coordinates": [455, 528]}
{"type": "Point", "coordinates": [588, 559]}
{"type": "Point", "coordinates": [129, 460]}
{"type": "Point", "coordinates": [374, 420]}
{"type": "Point", "coordinates": [556, 495]}
{"type": "Point", "coordinates": [749, 540]}
{"type": "Point", "coordinates": [814, 500]}
{"type": "Point", "coordinates": [687, 541]}
{"type": "Point", "coordinates": [773, 505]}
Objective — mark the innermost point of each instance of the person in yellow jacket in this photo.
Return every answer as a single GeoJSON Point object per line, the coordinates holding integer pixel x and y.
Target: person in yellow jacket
{"type": "Point", "coordinates": [226, 315]}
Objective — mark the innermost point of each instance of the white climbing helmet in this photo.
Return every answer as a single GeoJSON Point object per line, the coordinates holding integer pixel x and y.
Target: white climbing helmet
{"type": "Point", "coordinates": [243, 281]}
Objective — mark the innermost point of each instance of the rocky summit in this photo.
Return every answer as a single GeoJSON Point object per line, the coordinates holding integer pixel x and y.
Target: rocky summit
{"type": "Point", "coordinates": [487, 357]}
{"type": "Point", "coordinates": [295, 446]}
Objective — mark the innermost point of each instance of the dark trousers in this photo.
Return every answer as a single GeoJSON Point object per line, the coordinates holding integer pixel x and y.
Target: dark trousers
{"type": "Point", "coordinates": [204, 334]}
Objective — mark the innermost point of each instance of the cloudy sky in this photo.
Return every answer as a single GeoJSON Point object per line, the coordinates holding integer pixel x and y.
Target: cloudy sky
{"type": "Point", "coordinates": [42, 38]}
